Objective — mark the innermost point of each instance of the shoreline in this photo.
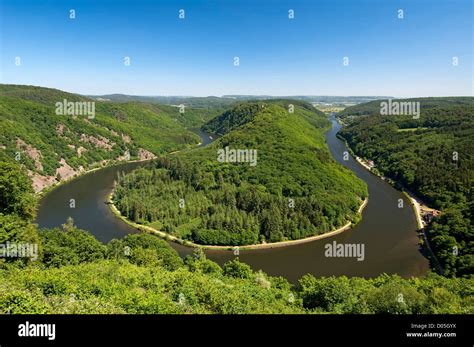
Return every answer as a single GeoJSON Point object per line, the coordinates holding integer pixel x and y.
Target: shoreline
{"type": "Point", "coordinates": [416, 203]}
{"type": "Point", "coordinates": [49, 189]}
{"type": "Point", "coordinates": [258, 246]}
{"type": "Point", "coordinates": [418, 206]}
{"type": "Point", "coordinates": [168, 237]}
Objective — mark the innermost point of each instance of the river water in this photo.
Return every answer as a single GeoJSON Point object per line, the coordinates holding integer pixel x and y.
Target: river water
{"type": "Point", "coordinates": [388, 233]}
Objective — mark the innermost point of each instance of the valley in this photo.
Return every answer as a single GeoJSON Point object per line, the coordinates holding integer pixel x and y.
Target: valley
{"type": "Point", "coordinates": [87, 238]}
{"type": "Point", "coordinates": [57, 146]}
{"type": "Point", "coordinates": [388, 232]}
{"type": "Point", "coordinates": [208, 168]}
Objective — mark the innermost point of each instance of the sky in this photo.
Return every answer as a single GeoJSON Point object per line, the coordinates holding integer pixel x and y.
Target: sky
{"type": "Point", "coordinates": [387, 56]}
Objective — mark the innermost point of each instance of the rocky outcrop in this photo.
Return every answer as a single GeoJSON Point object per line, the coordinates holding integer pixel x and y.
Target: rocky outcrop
{"type": "Point", "coordinates": [31, 152]}
{"type": "Point", "coordinates": [80, 150]}
{"type": "Point", "coordinates": [40, 182]}
{"type": "Point", "coordinates": [60, 129]}
{"type": "Point", "coordinates": [65, 171]}
{"type": "Point", "coordinates": [126, 138]}
{"type": "Point", "coordinates": [143, 154]}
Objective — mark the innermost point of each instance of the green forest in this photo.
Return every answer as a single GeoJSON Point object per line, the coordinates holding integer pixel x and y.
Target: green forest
{"type": "Point", "coordinates": [142, 274]}
{"type": "Point", "coordinates": [296, 189]}
{"type": "Point", "coordinates": [27, 114]}
{"type": "Point", "coordinates": [223, 203]}
{"type": "Point", "coordinates": [432, 156]}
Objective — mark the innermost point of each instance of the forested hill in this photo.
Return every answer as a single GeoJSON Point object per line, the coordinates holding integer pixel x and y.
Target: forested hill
{"type": "Point", "coordinates": [76, 274]}
{"type": "Point", "coordinates": [233, 118]}
{"type": "Point", "coordinates": [433, 156]}
{"type": "Point", "coordinates": [208, 102]}
{"type": "Point", "coordinates": [373, 107]}
{"type": "Point", "coordinates": [245, 112]}
{"type": "Point", "coordinates": [56, 146]}
{"type": "Point", "coordinates": [293, 189]}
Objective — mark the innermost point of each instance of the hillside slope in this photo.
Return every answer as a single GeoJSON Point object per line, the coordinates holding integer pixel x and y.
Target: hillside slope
{"type": "Point", "coordinates": [74, 273]}
{"type": "Point", "coordinates": [287, 186]}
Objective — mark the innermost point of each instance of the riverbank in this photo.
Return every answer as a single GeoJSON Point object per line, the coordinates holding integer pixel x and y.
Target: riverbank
{"type": "Point", "coordinates": [48, 189]}
{"type": "Point", "coordinates": [85, 172]}
{"type": "Point", "coordinates": [187, 243]}
{"type": "Point", "coordinates": [421, 209]}
{"type": "Point", "coordinates": [396, 251]}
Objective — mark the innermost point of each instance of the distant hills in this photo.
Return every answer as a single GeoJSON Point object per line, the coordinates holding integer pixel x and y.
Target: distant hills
{"type": "Point", "coordinates": [197, 102]}
{"type": "Point", "coordinates": [343, 100]}
{"type": "Point", "coordinates": [373, 107]}
{"type": "Point", "coordinates": [225, 100]}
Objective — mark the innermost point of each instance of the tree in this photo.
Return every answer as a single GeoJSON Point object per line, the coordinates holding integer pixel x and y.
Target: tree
{"type": "Point", "coordinates": [70, 246]}
{"type": "Point", "coordinates": [16, 192]}
{"type": "Point", "coordinates": [17, 231]}
{"type": "Point", "coordinates": [145, 250]}
{"type": "Point", "coordinates": [235, 268]}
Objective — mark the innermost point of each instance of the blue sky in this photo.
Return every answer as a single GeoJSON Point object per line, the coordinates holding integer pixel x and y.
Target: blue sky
{"type": "Point", "coordinates": [278, 56]}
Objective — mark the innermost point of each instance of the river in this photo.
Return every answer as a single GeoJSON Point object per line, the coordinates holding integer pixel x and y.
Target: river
{"type": "Point", "coordinates": [387, 232]}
